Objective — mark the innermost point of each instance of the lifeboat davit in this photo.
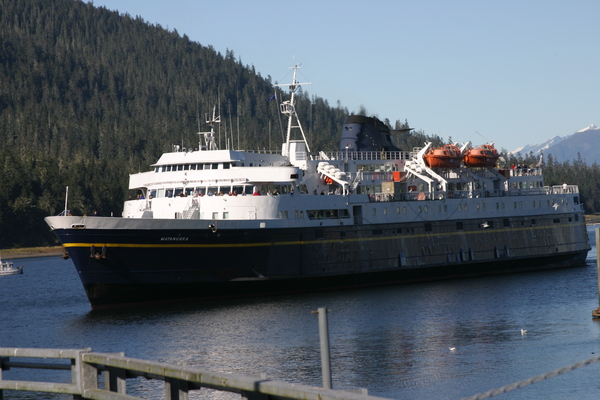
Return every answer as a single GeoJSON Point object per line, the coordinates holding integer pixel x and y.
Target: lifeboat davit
{"type": "Point", "coordinates": [485, 155]}
{"type": "Point", "coordinates": [447, 156]}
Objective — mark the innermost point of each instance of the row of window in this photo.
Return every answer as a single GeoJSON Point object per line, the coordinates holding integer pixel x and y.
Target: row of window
{"type": "Point", "coordinates": [312, 214]}
{"type": "Point", "coordinates": [193, 167]}
{"type": "Point", "coordinates": [200, 191]}
{"type": "Point", "coordinates": [482, 206]}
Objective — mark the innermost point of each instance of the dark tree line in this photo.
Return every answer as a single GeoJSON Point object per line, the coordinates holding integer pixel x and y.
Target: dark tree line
{"type": "Point", "coordinates": [88, 96]}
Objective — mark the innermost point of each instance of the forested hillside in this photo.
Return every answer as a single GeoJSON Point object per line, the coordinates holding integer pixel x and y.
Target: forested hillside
{"type": "Point", "coordinates": [88, 96]}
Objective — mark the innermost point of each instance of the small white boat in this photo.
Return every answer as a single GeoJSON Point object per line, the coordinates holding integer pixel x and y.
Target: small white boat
{"type": "Point", "coordinates": [7, 268]}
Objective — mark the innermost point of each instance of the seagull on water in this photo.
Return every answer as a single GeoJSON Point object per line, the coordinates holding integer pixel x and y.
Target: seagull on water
{"type": "Point", "coordinates": [452, 348]}
{"type": "Point", "coordinates": [523, 331]}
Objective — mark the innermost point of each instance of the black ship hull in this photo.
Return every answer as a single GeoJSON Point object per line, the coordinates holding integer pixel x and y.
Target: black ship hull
{"type": "Point", "coordinates": [124, 267]}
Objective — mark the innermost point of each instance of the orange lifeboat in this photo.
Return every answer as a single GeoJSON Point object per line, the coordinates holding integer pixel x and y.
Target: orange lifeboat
{"type": "Point", "coordinates": [447, 156]}
{"type": "Point", "coordinates": [485, 155]}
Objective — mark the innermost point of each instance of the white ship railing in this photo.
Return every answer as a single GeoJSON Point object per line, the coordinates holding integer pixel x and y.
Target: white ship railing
{"type": "Point", "coordinates": [365, 155]}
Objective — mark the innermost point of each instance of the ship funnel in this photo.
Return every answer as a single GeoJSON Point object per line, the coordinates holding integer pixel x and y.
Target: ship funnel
{"type": "Point", "coordinates": [361, 133]}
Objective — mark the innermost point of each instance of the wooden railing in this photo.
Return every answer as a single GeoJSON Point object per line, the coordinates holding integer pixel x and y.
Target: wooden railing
{"type": "Point", "coordinates": [86, 367]}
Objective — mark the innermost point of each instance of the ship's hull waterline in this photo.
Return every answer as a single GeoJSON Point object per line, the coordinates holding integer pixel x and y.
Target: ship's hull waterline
{"type": "Point", "coordinates": [121, 267]}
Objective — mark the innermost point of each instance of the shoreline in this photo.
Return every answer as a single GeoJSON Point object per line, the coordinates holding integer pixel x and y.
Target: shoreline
{"type": "Point", "coordinates": [31, 252]}
{"type": "Point", "coordinates": [52, 251]}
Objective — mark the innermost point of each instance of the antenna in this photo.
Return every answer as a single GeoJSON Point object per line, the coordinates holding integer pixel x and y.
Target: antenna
{"type": "Point", "coordinates": [288, 108]}
{"type": "Point", "coordinates": [209, 137]}
{"type": "Point", "coordinates": [486, 139]}
{"type": "Point", "coordinates": [67, 202]}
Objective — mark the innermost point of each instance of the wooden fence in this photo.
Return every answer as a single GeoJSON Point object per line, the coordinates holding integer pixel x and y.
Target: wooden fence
{"type": "Point", "coordinates": [104, 376]}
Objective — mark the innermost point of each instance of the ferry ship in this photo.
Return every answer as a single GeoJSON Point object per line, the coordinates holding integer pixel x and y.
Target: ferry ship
{"type": "Point", "coordinates": [211, 224]}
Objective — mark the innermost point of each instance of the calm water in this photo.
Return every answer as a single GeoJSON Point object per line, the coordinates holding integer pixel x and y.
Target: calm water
{"type": "Point", "coordinates": [394, 341]}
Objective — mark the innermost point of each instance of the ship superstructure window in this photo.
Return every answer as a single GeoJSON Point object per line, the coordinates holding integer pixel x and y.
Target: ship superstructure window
{"type": "Point", "coordinates": [276, 189]}
{"type": "Point", "coordinates": [326, 214]}
{"type": "Point", "coordinates": [283, 214]}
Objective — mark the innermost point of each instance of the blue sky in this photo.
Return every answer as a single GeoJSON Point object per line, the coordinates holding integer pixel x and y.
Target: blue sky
{"type": "Point", "coordinates": [512, 72]}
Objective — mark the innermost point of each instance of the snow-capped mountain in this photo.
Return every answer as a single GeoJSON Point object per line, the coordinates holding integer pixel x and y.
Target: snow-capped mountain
{"type": "Point", "coordinates": [584, 143]}
{"type": "Point", "coordinates": [536, 148]}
